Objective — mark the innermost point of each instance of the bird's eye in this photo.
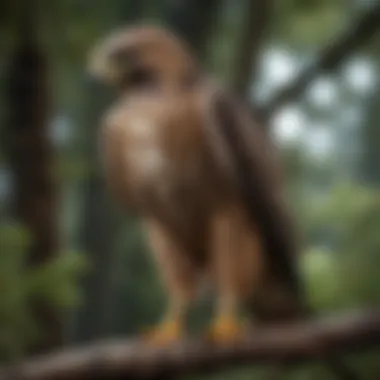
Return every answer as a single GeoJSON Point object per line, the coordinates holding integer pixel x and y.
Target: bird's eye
{"type": "Point", "coordinates": [140, 77]}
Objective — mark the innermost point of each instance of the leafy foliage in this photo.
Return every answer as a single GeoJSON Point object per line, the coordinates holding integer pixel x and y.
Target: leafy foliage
{"type": "Point", "coordinates": [20, 286]}
{"type": "Point", "coordinates": [342, 267]}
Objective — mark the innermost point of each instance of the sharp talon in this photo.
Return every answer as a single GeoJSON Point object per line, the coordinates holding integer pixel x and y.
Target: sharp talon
{"type": "Point", "coordinates": [166, 333]}
{"type": "Point", "coordinates": [226, 330]}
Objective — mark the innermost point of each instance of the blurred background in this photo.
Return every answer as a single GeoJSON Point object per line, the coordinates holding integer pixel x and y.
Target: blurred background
{"type": "Point", "coordinates": [72, 268]}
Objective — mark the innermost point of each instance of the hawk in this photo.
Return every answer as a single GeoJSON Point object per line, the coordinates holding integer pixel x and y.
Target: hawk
{"type": "Point", "coordinates": [203, 177]}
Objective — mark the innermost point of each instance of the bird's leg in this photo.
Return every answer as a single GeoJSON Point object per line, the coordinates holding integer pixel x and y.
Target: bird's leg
{"type": "Point", "coordinates": [227, 325]}
{"type": "Point", "coordinates": [179, 280]}
{"type": "Point", "coordinates": [227, 272]}
{"type": "Point", "coordinates": [171, 328]}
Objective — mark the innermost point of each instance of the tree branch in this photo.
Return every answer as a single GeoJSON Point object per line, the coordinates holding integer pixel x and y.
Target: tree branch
{"type": "Point", "coordinates": [255, 22]}
{"type": "Point", "coordinates": [328, 59]}
{"type": "Point", "coordinates": [134, 360]}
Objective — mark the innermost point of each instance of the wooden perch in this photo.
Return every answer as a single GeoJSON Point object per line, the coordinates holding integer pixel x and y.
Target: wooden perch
{"type": "Point", "coordinates": [134, 360]}
{"type": "Point", "coordinates": [328, 59]}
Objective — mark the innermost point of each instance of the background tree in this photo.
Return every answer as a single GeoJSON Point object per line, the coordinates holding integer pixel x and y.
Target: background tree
{"type": "Point", "coordinates": [30, 152]}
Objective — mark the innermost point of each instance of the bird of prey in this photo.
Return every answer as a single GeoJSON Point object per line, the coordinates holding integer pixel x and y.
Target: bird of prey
{"type": "Point", "coordinates": [189, 159]}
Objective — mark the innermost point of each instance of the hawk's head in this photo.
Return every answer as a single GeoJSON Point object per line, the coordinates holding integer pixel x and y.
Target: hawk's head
{"type": "Point", "coordinates": [137, 57]}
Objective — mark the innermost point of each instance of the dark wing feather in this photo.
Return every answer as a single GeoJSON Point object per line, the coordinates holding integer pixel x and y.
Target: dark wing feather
{"type": "Point", "coordinates": [253, 164]}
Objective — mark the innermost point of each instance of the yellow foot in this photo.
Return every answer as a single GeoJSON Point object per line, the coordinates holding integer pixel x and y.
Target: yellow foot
{"type": "Point", "coordinates": [226, 330]}
{"type": "Point", "coordinates": [166, 333]}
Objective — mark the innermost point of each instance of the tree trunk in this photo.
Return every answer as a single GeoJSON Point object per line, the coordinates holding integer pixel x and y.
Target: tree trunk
{"type": "Point", "coordinates": [254, 27]}
{"type": "Point", "coordinates": [99, 229]}
{"type": "Point", "coordinates": [193, 21]}
{"type": "Point", "coordinates": [31, 157]}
